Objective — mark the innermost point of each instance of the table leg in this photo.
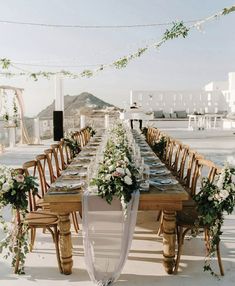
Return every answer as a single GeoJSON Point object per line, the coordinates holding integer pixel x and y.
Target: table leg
{"type": "Point", "coordinates": [65, 243]}
{"type": "Point", "coordinates": [169, 225]}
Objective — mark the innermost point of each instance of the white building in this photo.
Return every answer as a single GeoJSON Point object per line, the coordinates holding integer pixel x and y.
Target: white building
{"type": "Point", "coordinates": [216, 97]}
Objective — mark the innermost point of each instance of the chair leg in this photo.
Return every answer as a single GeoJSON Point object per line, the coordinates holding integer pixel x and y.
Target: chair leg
{"type": "Point", "coordinates": [160, 228]}
{"type": "Point", "coordinates": [219, 260]}
{"type": "Point", "coordinates": [207, 241]}
{"type": "Point", "coordinates": [159, 215]}
{"type": "Point", "coordinates": [180, 239]}
{"type": "Point", "coordinates": [32, 237]}
{"type": "Point", "coordinates": [56, 240]}
{"type": "Point", "coordinates": [75, 222]}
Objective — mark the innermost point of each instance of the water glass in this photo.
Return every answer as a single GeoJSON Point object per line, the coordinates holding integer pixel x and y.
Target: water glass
{"type": "Point", "coordinates": [144, 184]}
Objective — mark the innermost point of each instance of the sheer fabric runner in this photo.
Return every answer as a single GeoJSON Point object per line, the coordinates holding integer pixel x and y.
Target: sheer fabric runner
{"type": "Point", "coordinates": [107, 236]}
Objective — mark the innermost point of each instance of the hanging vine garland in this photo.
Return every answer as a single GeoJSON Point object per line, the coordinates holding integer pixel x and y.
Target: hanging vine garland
{"type": "Point", "coordinates": [177, 30]}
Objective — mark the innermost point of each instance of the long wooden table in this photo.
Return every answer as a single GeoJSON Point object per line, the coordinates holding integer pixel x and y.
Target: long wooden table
{"type": "Point", "coordinates": [170, 200]}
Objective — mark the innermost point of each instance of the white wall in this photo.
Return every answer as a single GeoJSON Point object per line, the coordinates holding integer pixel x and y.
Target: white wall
{"type": "Point", "coordinates": [216, 96]}
{"type": "Point", "coordinates": [170, 101]}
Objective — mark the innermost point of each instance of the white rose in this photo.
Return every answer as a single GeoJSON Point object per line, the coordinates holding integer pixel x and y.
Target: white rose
{"type": "Point", "coordinates": [223, 194]}
{"type": "Point", "coordinates": [111, 168]}
{"type": "Point", "coordinates": [120, 171]}
{"type": "Point", "coordinates": [217, 197]}
{"type": "Point", "coordinates": [19, 178]}
{"type": "Point", "coordinates": [127, 180]}
{"type": "Point", "coordinates": [210, 198]}
{"type": "Point", "coordinates": [108, 177]}
{"type": "Point", "coordinates": [5, 187]}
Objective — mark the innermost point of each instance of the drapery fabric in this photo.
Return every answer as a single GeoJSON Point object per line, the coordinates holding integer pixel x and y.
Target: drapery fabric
{"type": "Point", "coordinates": [107, 236]}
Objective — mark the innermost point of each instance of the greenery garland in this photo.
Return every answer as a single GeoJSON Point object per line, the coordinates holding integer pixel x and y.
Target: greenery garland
{"type": "Point", "coordinates": [14, 189]}
{"type": "Point", "coordinates": [213, 201]}
{"type": "Point", "coordinates": [178, 30]}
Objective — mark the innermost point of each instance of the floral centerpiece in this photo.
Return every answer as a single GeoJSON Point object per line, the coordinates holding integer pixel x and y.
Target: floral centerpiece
{"type": "Point", "coordinates": [117, 173]}
{"type": "Point", "coordinates": [14, 188]}
{"type": "Point", "coordinates": [213, 201]}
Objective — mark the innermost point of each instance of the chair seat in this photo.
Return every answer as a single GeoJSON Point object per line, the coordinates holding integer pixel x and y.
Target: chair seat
{"type": "Point", "coordinates": [41, 218]}
{"type": "Point", "coordinates": [43, 205]}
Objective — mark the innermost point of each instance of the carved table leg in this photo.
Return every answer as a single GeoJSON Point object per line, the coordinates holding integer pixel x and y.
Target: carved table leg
{"type": "Point", "coordinates": [169, 240]}
{"type": "Point", "coordinates": [65, 243]}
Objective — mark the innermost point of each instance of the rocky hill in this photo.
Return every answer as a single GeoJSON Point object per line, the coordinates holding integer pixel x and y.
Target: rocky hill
{"type": "Point", "coordinates": [82, 103]}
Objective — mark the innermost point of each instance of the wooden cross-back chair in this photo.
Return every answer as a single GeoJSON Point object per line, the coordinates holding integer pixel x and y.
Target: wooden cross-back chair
{"type": "Point", "coordinates": [66, 151]}
{"type": "Point", "coordinates": [58, 158]}
{"type": "Point", "coordinates": [187, 177]}
{"type": "Point", "coordinates": [37, 218]}
{"type": "Point", "coordinates": [186, 218]}
{"type": "Point", "coordinates": [55, 172]}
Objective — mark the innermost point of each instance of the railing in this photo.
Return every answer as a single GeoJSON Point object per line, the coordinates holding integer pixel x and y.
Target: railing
{"type": "Point", "coordinates": [42, 128]}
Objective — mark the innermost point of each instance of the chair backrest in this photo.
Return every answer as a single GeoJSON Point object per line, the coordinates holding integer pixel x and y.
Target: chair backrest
{"type": "Point", "coordinates": [52, 164]}
{"type": "Point", "coordinates": [190, 163]}
{"type": "Point", "coordinates": [182, 161]}
{"type": "Point", "coordinates": [67, 153]}
{"type": "Point", "coordinates": [203, 168]}
{"type": "Point", "coordinates": [174, 164]}
{"type": "Point", "coordinates": [58, 158]}
{"type": "Point", "coordinates": [31, 168]}
{"type": "Point", "coordinates": [45, 165]}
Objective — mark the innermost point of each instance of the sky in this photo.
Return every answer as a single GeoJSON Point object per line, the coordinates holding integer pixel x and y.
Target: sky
{"type": "Point", "coordinates": [180, 64]}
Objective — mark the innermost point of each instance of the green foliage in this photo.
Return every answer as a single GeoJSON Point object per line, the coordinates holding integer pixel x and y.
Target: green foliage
{"type": "Point", "coordinates": [14, 189]}
{"type": "Point", "coordinates": [116, 174]}
{"type": "Point", "coordinates": [73, 144]}
{"type": "Point", "coordinates": [144, 131]}
{"type": "Point", "coordinates": [86, 73]}
{"type": "Point", "coordinates": [213, 200]}
{"type": "Point", "coordinates": [91, 131]}
{"type": "Point", "coordinates": [121, 63]}
{"type": "Point", "coordinates": [159, 147]}
{"type": "Point", "coordinates": [229, 10]}
{"type": "Point", "coordinates": [178, 29]}
{"type": "Point", "coordinates": [5, 63]}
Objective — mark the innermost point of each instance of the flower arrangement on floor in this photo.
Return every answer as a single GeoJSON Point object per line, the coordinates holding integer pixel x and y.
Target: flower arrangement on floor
{"type": "Point", "coordinates": [14, 188]}
{"type": "Point", "coordinates": [213, 201]}
{"type": "Point", "coordinates": [73, 144]}
{"type": "Point", "coordinates": [116, 173]}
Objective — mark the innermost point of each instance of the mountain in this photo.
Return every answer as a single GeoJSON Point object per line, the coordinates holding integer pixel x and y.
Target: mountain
{"type": "Point", "coordinates": [84, 102]}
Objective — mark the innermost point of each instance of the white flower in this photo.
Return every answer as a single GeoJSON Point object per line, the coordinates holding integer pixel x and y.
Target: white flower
{"type": "Point", "coordinates": [111, 168]}
{"type": "Point", "coordinates": [5, 187]}
{"type": "Point", "coordinates": [108, 177]}
{"type": "Point", "coordinates": [210, 198]}
{"type": "Point", "coordinates": [223, 194]}
{"type": "Point", "coordinates": [120, 171]}
{"type": "Point", "coordinates": [19, 178]}
{"type": "Point", "coordinates": [217, 197]}
{"type": "Point", "coordinates": [127, 180]}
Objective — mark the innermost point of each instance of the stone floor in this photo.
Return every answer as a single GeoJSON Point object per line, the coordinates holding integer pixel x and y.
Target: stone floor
{"type": "Point", "coordinates": [144, 265]}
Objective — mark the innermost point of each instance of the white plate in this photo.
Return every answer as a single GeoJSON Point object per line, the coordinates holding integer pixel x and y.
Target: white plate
{"type": "Point", "coordinates": [159, 172]}
{"type": "Point", "coordinates": [163, 182]}
{"type": "Point", "coordinates": [64, 185]}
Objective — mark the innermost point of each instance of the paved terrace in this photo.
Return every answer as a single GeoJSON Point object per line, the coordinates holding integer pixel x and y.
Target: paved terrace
{"type": "Point", "coordinates": [144, 265]}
